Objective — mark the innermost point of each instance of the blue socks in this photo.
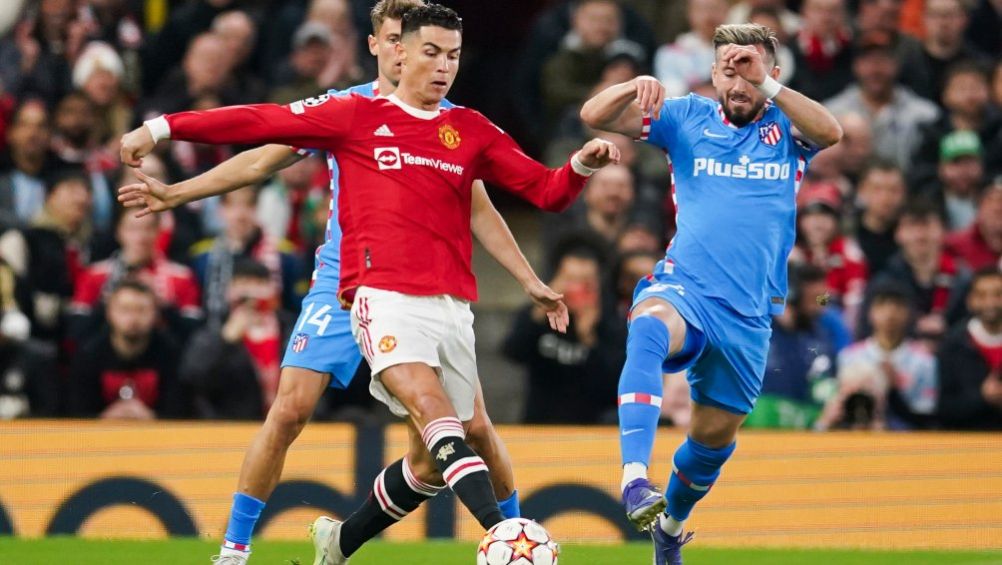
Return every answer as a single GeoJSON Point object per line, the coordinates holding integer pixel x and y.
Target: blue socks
{"type": "Point", "coordinates": [695, 468]}
{"type": "Point", "coordinates": [243, 517]}
{"type": "Point", "coordinates": [641, 387]}
{"type": "Point", "coordinates": [509, 506]}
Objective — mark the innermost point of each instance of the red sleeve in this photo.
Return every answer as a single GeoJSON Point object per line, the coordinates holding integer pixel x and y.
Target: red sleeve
{"type": "Point", "coordinates": [189, 300]}
{"type": "Point", "coordinates": [503, 163]}
{"type": "Point", "coordinates": [316, 122]}
{"type": "Point", "coordinates": [88, 291]}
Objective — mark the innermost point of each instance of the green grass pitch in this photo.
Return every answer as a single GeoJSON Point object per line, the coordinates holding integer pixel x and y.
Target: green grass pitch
{"type": "Point", "coordinates": [196, 552]}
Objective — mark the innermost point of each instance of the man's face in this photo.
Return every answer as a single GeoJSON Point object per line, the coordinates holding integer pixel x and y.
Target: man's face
{"type": "Point", "coordinates": [75, 120]}
{"type": "Point", "coordinates": [945, 21]}
{"type": "Point", "coordinates": [597, 23]}
{"type": "Point", "coordinates": [857, 142]}
{"type": "Point", "coordinates": [985, 300]}
{"type": "Point", "coordinates": [132, 314]}
{"type": "Point", "coordinates": [237, 31]}
{"type": "Point", "coordinates": [383, 46]}
{"type": "Point", "coordinates": [137, 236]}
{"type": "Point", "coordinates": [578, 279]}
{"type": "Point", "coordinates": [259, 293]}
{"type": "Point", "coordinates": [740, 99]}
{"type": "Point", "coordinates": [810, 305]}
{"type": "Point", "coordinates": [430, 59]}
{"type": "Point", "coordinates": [634, 269]}
{"type": "Point", "coordinates": [920, 237]}
{"type": "Point", "coordinates": [990, 212]}
{"type": "Point", "coordinates": [29, 133]}
{"type": "Point", "coordinates": [824, 17]}
{"type": "Point", "coordinates": [207, 64]}
{"type": "Point", "coordinates": [880, 15]}
{"type": "Point", "coordinates": [962, 176]}
{"type": "Point", "coordinates": [883, 193]}
{"type": "Point", "coordinates": [876, 72]}
{"type": "Point", "coordinates": [610, 191]}
{"type": "Point", "coordinates": [889, 317]}
{"type": "Point", "coordinates": [706, 15]}
{"type": "Point", "coordinates": [966, 94]}
{"type": "Point", "coordinates": [311, 58]}
{"type": "Point", "coordinates": [818, 227]}
{"type": "Point", "coordinates": [70, 201]}
{"type": "Point", "coordinates": [239, 214]}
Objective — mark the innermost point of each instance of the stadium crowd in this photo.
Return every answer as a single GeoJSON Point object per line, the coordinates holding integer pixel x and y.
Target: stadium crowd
{"type": "Point", "coordinates": [894, 319]}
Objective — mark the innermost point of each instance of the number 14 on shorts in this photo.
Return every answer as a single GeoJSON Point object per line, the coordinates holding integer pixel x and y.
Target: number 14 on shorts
{"type": "Point", "coordinates": [321, 318]}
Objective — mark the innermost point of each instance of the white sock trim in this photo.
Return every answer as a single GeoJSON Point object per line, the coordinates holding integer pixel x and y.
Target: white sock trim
{"type": "Point", "coordinates": [670, 525]}
{"type": "Point", "coordinates": [463, 467]}
{"type": "Point", "coordinates": [632, 472]}
{"type": "Point", "coordinates": [379, 489]}
{"type": "Point", "coordinates": [442, 428]}
{"type": "Point", "coordinates": [417, 485]}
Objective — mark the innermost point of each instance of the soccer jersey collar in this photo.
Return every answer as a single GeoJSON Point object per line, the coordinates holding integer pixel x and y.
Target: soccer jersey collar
{"type": "Point", "coordinates": [726, 122]}
{"type": "Point", "coordinates": [416, 112]}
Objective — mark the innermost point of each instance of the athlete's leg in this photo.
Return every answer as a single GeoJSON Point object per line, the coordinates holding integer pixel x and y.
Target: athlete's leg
{"type": "Point", "coordinates": [418, 388]}
{"type": "Point", "coordinates": [299, 390]}
{"type": "Point", "coordinates": [485, 441]}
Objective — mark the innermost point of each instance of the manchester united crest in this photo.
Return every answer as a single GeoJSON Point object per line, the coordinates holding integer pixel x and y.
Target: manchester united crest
{"type": "Point", "coordinates": [449, 136]}
{"type": "Point", "coordinates": [387, 344]}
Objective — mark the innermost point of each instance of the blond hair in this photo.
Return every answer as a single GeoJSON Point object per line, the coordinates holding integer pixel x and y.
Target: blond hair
{"type": "Point", "coordinates": [747, 34]}
{"type": "Point", "coordinates": [391, 9]}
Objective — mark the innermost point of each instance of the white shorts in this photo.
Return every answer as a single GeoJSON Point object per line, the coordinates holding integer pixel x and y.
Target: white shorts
{"type": "Point", "coordinates": [393, 328]}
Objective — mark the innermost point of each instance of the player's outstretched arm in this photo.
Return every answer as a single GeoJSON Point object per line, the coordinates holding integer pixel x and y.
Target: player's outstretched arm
{"type": "Point", "coordinates": [621, 107]}
{"type": "Point", "coordinates": [254, 166]}
{"type": "Point", "coordinates": [492, 232]}
{"type": "Point", "coordinates": [813, 121]}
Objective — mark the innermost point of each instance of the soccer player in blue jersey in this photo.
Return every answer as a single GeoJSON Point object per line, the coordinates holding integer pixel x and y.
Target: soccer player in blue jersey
{"type": "Point", "coordinates": [736, 165]}
{"type": "Point", "coordinates": [321, 351]}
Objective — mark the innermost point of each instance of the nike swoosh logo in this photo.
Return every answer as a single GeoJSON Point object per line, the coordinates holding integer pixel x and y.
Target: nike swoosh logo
{"type": "Point", "coordinates": [709, 133]}
{"type": "Point", "coordinates": [633, 431]}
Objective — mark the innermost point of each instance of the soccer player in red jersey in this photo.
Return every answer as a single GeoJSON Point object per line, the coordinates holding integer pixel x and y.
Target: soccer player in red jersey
{"type": "Point", "coordinates": [404, 207]}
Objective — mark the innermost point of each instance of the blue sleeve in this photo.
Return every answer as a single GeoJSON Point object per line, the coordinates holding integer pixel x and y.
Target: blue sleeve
{"type": "Point", "coordinates": [664, 131]}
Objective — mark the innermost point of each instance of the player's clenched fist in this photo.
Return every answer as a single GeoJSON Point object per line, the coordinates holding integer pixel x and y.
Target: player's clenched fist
{"type": "Point", "coordinates": [137, 144]}
{"type": "Point", "coordinates": [598, 153]}
{"type": "Point", "coordinates": [650, 95]}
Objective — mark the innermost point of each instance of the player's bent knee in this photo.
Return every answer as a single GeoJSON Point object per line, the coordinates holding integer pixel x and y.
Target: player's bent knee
{"type": "Point", "coordinates": [431, 405]}
{"type": "Point", "coordinates": [424, 469]}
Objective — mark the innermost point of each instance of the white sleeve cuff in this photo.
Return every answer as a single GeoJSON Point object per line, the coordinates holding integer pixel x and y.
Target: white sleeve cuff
{"type": "Point", "coordinates": [159, 128]}
{"type": "Point", "coordinates": [770, 87]}
{"type": "Point", "coordinates": [580, 167]}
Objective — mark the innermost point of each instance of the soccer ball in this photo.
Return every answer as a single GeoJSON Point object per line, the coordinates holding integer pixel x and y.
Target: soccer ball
{"type": "Point", "coordinates": [517, 541]}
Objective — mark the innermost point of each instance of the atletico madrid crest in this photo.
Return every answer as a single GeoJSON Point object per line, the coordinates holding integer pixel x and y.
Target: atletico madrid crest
{"type": "Point", "coordinates": [769, 133]}
{"type": "Point", "coordinates": [299, 342]}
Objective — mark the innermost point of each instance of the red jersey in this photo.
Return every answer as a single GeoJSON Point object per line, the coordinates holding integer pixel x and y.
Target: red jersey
{"type": "Point", "coordinates": [173, 284]}
{"type": "Point", "coordinates": [845, 268]}
{"type": "Point", "coordinates": [405, 177]}
{"type": "Point", "coordinates": [970, 246]}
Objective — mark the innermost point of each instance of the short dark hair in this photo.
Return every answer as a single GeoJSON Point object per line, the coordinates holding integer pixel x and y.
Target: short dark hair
{"type": "Point", "coordinates": [891, 291]}
{"type": "Point", "coordinates": [430, 15]}
{"type": "Point", "coordinates": [984, 273]}
{"type": "Point", "coordinates": [580, 244]}
{"type": "Point", "coordinates": [879, 164]}
{"type": "Point", "coordinates": [133, 285]}
{"type": "Point", "coordinates": [921, 208]}
{"type": "Point", "coordinates": [245, 268]}
{"type": "Point", "coordinates": [63, 175]}
{"type": "Point", "coordinates": [965, 67]}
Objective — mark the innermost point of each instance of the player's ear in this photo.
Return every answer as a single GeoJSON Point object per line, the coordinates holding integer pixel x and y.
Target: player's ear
{"type": "Point", "coordinates": [373, 45]}
{"type": "Point", "coordinates": [774, 73]}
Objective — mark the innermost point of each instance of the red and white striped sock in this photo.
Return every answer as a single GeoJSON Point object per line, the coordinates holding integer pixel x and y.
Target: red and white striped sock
{"type": "Point", "coordinates": [463, 470]}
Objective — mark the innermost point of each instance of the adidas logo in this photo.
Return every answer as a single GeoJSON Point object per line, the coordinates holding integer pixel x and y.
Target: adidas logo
{"type": "Point", "coordinates": [383, 131]}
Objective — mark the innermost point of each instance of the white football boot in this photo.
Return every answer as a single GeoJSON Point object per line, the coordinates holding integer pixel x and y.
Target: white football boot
{"type": "Point", "coordinates": [326, 535]}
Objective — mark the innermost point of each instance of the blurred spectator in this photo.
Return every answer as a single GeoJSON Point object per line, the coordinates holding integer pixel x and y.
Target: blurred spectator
{"type": "Point", "coordinates": [205, 76]}
{"type": "Point", "coordinates": [894, 111]}
{"type": "Point", "coordinates": [570, 74]}
{"type": "Point", "coordinates": [942, 46]}
{"type": "Point", "coordinates": [282, 202]}
{"type": "Point", "coordinates": [936, 280]}
{"type": "Point", "coordinates": [98, 74]}
{"type": "Point", "coordinates": [74, 142]}
{"type": "Point", "coordinates": [28, 385]}
{"type": "Point", "coordinates": [882, 18]}
{"type": "Point", "coordinates": [970, 360]}
{"type": "Point", "coordinates": [24, 163]}
{"type": "Point", "coordinates": [801, 360]}
{"type": "Point", "coordinates": [129, 371]}
{"type": "Point", "coordinates": [741, 13]}
{"type": "Point", "coordinates": [821, 243]}
{"type": "Point", "coordinates": [769, 16]}
{"type": "Point", "coordinates": [886, 380]}
{"type": "Point", "coordinates": [580, 367]}
{"type": "Point", "coordinates": [684, 64]}
{"type": "Point", "coordinates": [53, 251]}
{"type": "Point", "coordinates": [639, 237]}
{"type": "Point", "coordinates": [213, 259]}
{"type": "Point", "coordinates": [967, 104]}
{"type": "Point", "coordinates": [821, 50]}
{"type": "Point", "coordinates": [167, 48]}
{"type": "Point", "coordinates": [881, 195]}
{"type": "Point", "coordinates": [299, 77]}
{"type": "Point", "coordinates": [604, 208]}
{"type": "Point", "coordinates": [855, 151]}
{"type": "Point", "coordinates": [239, 33]}
{"type": "Point", "coordinates": [234, 369]}
{"type": "Point", "coordinates": [35, 59]}
{"type": "Point", "coordinates": [138, 259]}
{"type": "Point", "coordinates": [630, 267]}
{"type": "Point", "coordinates": [342, 69]}
{"type": "Point", "coordinates": [985, 29]}
{"type": "Point", "coordinates": [980, 246]}
{"type": "Point", "coordinates": [996, 85]}
{"type": "Point", "coordinates": [960, 178]}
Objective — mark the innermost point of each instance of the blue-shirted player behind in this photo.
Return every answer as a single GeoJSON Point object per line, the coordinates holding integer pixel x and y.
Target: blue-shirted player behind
{"type": "Point", "coordinates": [321, 351]}
{"type": "Point", "coordinates": [736, 165]}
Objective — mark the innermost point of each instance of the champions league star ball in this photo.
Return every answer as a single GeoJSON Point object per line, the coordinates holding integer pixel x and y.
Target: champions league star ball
{"type": "Point", "coordinates": [517, 541]}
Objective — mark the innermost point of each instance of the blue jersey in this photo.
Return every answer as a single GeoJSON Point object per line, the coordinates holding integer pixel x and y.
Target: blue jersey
{"type": "Point", "coordinates": [735, 196]}
{"type": "Point", "coordinates": [327, 263]}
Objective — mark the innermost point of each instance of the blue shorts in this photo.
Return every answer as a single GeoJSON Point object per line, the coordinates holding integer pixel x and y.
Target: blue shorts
{"type": "Point", "coordinates": [725, 353]}
{"type": "Point", "coordinates": [321, 340]}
